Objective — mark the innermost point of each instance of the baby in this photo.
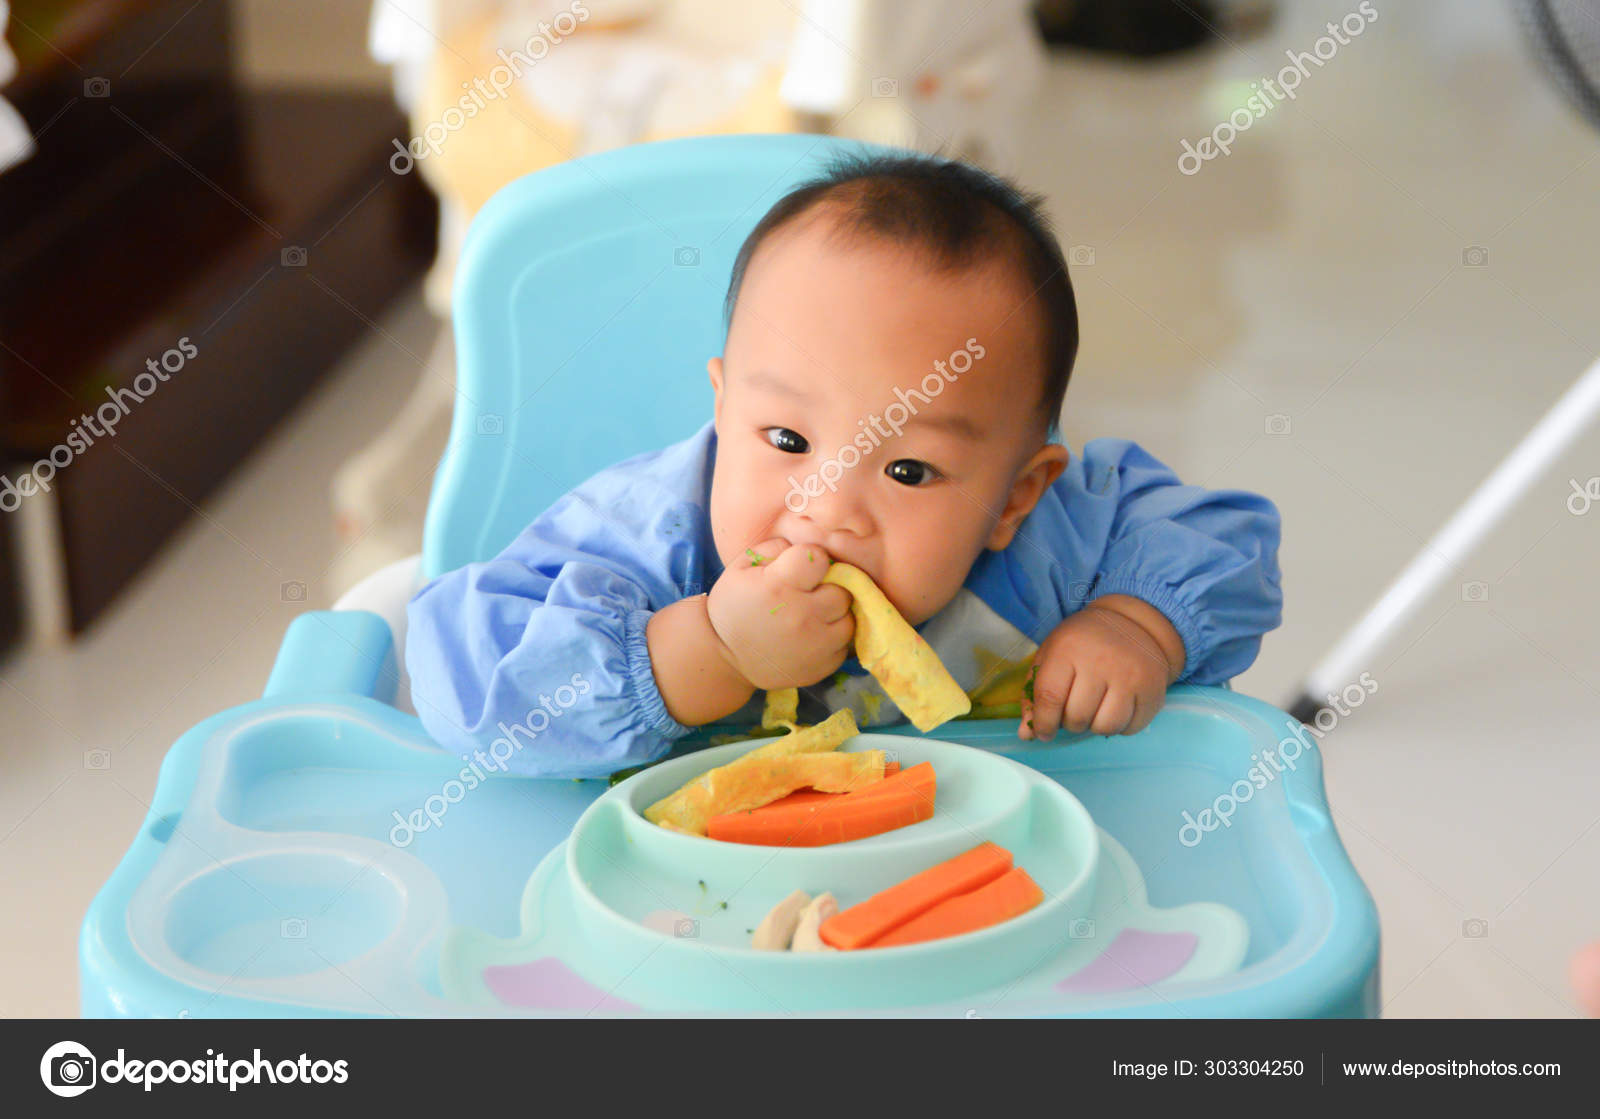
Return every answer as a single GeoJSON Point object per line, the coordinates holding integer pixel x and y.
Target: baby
{"type": "Point", "coordinates": [900, 336]}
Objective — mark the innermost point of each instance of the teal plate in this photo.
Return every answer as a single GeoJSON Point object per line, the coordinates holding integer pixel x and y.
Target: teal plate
{"type": "Point", "coordinates": [627, 916]}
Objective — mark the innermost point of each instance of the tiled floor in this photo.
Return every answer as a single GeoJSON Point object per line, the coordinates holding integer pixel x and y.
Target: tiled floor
{"type": "Point", "coordinates": [1319, 273]}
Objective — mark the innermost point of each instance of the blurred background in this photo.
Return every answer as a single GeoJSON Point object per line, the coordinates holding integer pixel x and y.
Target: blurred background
{"type": "Point", "coordinates": [228, 229]}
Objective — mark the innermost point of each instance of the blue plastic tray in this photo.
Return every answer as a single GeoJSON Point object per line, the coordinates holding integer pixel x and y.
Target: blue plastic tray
{"type": "Point", "coordinates": [279, 872]}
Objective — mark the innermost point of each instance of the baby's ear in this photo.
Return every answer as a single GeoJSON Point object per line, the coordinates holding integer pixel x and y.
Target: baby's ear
{"type": "Point", "coordinates": [714, 371]}
{"type": "Point", "coordinates": [1038, 474]}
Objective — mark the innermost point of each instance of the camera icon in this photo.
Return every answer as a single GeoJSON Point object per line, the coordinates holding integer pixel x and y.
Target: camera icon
{"type": "Point", "coordinates": [686, 256]}
{"type": "Point", "coordinates": [97, 87]}
{"type": "Point", "coordinates": [490, 424]}
{"type": "Point", "coordinates": [292, 592]}
{"type": "Point", "coordinates": [68, 1069]}
{"type": "Point", "coordinates": [1083, 928]}
{"type": "Point", "coordinates": [1475, 591]}
{"type": "Point", "coordinates": [1278, 424]}
{"type": "Point", "coordinates": [1081, 256]}
{"type": "Point", "coordinates": [292, 928]}
{"type": "Point", "coordinates": [686, 929]}
{"type": "Point", "coordinates": [1475, 256]}
{"type": "Point", "coordinates": [1475, 928]}
{"type": "Point", "coordinates": [97, 759]}
{"type": "Point", "coordinates": [885, 87]}
{"type": "Point", "coordinates": [292, 257]}
{"type": "Point", "coordinates": [1078, 590]}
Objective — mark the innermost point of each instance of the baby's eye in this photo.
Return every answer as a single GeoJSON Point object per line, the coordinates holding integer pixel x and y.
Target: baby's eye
{"type": "Point", "coordinates": [788, 441]}
{"type": "Point", "coordinates": [911, 472]}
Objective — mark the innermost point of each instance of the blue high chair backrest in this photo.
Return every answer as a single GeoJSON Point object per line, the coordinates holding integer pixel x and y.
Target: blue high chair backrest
{"type": "Point", "coordinates": [588, 298]}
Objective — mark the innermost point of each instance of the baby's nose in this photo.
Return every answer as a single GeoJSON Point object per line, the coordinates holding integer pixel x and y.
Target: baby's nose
{"type": "Point", "coordinates": [828, 514]}
{"type": "Point", "coordinates": [820, 503]}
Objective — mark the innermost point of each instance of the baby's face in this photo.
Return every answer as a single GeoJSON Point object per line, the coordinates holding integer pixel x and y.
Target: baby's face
{"type": "Point", "coordinates": [815, 446]}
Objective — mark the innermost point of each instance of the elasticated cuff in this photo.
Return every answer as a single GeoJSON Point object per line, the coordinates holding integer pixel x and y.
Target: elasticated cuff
{"type": "Point", "coordinates": [650, 710]}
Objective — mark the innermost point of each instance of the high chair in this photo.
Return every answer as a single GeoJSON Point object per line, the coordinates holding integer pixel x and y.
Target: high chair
{"type": "Point", "coordinates": [314, 853]}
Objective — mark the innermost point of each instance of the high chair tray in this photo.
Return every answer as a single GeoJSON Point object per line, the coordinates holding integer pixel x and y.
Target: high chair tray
{"type": "Point", "coordinates": [316, 855]}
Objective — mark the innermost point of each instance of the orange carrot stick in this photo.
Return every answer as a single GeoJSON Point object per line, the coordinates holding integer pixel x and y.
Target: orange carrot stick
{"type": "Point", "coordinates": [1010, 895]}
{"type": "Point", "coordinates": [862, 924]}
{"type": "Point", "coordinates": [896, 802]}
{"type": "Point", "coordinates": [918, 777]}
{"type": "Point", "coordinates": [817, 825]}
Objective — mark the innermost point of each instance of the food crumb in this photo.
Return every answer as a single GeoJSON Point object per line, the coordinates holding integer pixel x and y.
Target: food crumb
{"type": "Point", "coordinates": [871, 703]}
{"type": "Point", "coordinates": [1027, 691]}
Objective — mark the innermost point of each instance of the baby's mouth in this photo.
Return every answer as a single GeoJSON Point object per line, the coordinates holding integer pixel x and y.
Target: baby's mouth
{"type": "Point", "coordinates": [836, 558]}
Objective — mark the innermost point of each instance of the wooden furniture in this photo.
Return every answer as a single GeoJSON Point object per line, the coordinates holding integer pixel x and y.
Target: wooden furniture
{"type": "Point", "coordinates": [169, 210]}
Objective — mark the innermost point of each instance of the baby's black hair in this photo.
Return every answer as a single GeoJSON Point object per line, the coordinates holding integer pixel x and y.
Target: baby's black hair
{"type": "Point", "coordinates": [956, 213]}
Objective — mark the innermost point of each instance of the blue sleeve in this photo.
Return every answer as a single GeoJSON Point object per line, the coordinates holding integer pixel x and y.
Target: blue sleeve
{"type": "Point", "coordinates": [535, 662]}
{"type": "Point", "coordinates": [1207, 559]}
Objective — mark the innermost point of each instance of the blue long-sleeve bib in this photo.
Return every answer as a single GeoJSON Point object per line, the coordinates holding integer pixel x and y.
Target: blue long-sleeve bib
{"type": "Point", "coordinates": [536, 660]}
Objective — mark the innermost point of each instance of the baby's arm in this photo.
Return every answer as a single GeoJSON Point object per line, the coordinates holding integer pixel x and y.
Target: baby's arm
{"type": "Point", "coordinates": [698, 681]}
{"type": "Point", "coordinates": [1185, 584]}
{"type": "Point", "coordinates": [537, 661]}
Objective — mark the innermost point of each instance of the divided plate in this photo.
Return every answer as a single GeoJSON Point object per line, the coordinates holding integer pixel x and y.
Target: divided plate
{"type": "Point", "coordinates": [672, 914]}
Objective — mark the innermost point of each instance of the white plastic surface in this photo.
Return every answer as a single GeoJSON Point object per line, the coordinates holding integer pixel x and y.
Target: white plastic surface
{"type": "Point", "coordinates": [385, 593]}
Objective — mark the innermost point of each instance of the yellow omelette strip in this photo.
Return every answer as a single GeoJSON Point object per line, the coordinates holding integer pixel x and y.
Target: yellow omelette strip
{"type": "Point", "coordinates": [1001, 680]}
{"type": "Point", "coordinates": [897, 656]}
{"type": "Point", "coordinates": [782, 709]}
{"type": "Point", "coordinates": [690, 807]}
{"type": "Point", "coordinates": [819, 739]}
{"type": "Point", "coordinates": [752, 782]}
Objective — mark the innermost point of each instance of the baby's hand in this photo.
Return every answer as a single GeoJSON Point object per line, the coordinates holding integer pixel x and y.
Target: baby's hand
{"type": "Point", "coordinates": [1105, 669]}
{"type": "Point", "coordinates": [782, 627]}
